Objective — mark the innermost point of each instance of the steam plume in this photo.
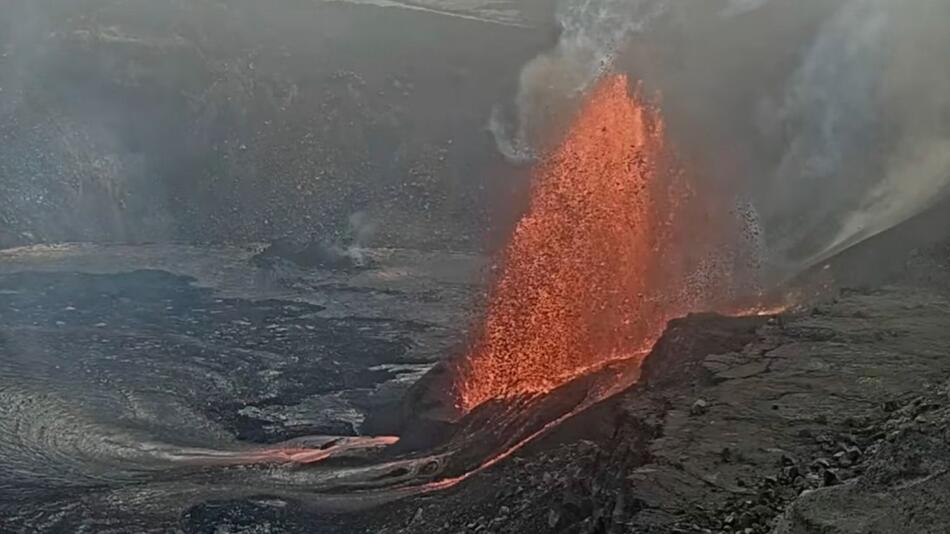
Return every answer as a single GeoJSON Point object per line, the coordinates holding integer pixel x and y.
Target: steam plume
{"type": "Point", "coordinates": [869, 147]}
{"type": "Point", "coordinates": [593, 32]}
{"type": "Point", "coordinates": [836, 114]}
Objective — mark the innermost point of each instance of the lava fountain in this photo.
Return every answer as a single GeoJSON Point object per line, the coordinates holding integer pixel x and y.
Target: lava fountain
{"type": "Point", "coordinates": [614, 244]}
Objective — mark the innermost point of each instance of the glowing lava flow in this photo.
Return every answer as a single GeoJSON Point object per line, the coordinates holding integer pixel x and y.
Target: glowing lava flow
{"type": "Point", "coordinates": [287, 454]}
{"type": "Point", "coordinates": [596, 267]}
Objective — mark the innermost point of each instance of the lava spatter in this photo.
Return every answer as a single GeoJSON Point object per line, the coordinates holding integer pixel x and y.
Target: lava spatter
{"type": "Point", "coordinates": [611, 247]}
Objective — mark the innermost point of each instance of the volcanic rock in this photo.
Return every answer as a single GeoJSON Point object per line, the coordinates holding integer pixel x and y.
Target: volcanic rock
{"type": "Point", "coordinates": [699, 407]}
{"type": "Point", "coordinates": [819, 462]}
{"type": "Point", "coordinates": [311, 255]}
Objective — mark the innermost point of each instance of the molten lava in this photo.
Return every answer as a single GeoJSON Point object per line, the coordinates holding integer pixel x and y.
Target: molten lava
{"type": "Point", "coordinates": [607, 252]}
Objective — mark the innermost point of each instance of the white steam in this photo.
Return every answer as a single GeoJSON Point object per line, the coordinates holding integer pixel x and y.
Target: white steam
{"type": "Point", "coordinates": [871, 144]}
{"type": "Point", "coordinates": [593, 32]}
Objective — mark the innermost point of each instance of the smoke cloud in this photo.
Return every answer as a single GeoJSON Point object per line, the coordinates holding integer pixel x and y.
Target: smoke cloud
{"type": "Point", "coordinates": [868, 111]}
{"type": "Point", "coordinates": [831, 120]}
{"type": "Point", "coordinates": [593, 32]}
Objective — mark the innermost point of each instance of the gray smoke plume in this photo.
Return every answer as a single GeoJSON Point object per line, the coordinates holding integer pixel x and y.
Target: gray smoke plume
{"type": "Point", "coordinates": [870, 143]}
{"type": "Point", "coordinates": [593, 32]}
{"type": "Point", "coordinates": [832, 118]}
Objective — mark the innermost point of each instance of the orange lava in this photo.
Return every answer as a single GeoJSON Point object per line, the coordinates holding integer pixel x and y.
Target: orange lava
{"type": "Point", "coordinates": [597, 265]}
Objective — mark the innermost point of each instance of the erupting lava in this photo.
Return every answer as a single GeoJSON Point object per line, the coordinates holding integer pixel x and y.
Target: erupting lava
{"type": "Point", "coordinates": [599, 263]}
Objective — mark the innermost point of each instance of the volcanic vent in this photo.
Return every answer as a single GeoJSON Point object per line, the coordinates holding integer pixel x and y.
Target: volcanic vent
{"type": "Point", "coordinates": [615, 242]}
